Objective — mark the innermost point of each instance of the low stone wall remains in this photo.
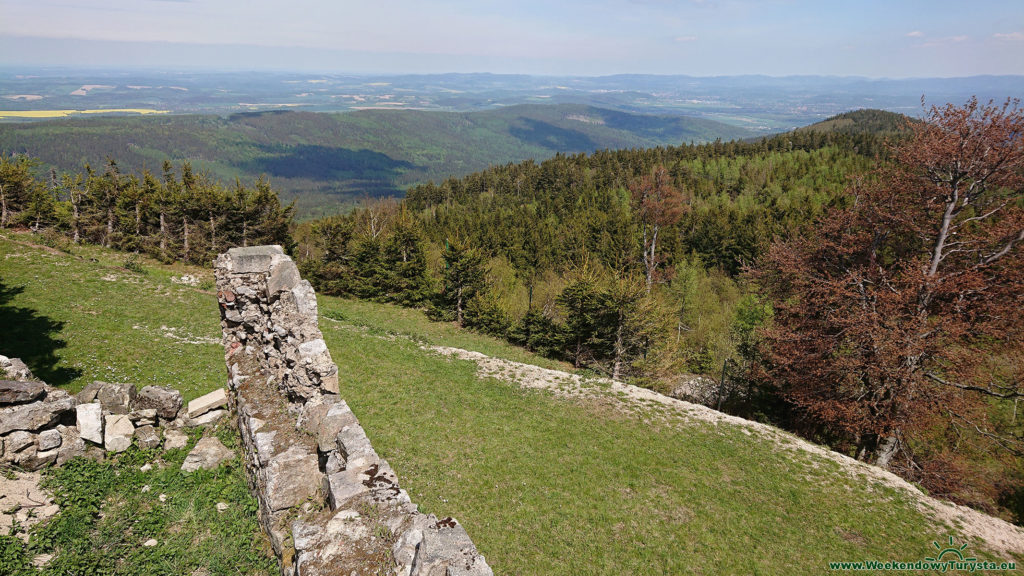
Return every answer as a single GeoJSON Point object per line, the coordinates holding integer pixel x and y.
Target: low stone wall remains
{"type": "Point", "coordinates": [329, 503]}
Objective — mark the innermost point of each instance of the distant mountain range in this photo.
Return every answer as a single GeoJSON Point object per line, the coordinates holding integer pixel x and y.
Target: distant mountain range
{"type": "Point", "coordinates": [325, 160]}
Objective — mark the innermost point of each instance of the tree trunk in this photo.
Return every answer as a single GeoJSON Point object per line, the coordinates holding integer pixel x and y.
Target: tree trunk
{"type": "Point", "coordinates": [184, 249]}
{"type": "Point", "coordinates": [107, 241]}
{"type": "Point", "coordinates": [75, 218]}
{"type": "Point", "coordinates": [245, 232]}
{"type": "Point", "coordinates": [213, 233]}
{"type": "Point", "coordinates": [138, 223]}
{"type": "Point", "coordinates": [163, 235]}
{"type": "Point", "coordinates": [458, 306]}
{"type": "Point", "coordinates": [620, 349]}
{"type": "Point", "coordinates": [887, 448]}
{"type": "Point", "coordinates": [3, 208]}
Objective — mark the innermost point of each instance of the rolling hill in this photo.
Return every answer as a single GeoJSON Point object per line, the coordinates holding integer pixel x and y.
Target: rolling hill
{"type": "Point", "coordinates": [325, 160]}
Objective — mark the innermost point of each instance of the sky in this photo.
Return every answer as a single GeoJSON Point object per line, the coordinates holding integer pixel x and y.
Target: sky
{"type": "Point", "coordinates": [873, 38]}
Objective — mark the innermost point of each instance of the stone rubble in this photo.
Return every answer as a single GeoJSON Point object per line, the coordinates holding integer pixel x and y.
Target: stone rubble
{"type": "Point", "coordinates": [330, 505]}
{"type": "Point", "coordinates": [41, 425]}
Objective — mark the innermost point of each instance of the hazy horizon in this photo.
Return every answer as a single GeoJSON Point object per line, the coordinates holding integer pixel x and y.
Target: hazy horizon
{"type": "Point", "coordinates": [703, 38]}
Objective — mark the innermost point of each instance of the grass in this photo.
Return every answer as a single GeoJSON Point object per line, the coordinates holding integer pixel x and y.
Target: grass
{"type": "Point", "coordinates": [553, 486]}
{"type": "Point", "coordinates": [84, 316]}
{"type": "Point", "coordinates": [544, 485]}
{"type": "Point", "coordinates": [110, 508]}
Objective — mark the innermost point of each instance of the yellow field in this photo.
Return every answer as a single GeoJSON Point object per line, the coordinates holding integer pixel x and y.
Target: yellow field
{"type": "Point", "coordinates": [63, 113]}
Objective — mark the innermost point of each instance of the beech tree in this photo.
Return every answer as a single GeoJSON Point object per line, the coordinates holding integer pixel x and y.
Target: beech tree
{"type": "Point", "coordinates": [658, 204]}
{"type": "Point", "coordinates": [888, 318]}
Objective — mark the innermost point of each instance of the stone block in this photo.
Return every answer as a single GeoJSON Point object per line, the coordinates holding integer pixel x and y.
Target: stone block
{"type": "Point", "coordinates": [167, 401]}
{"type": "Point", "coordinates": [36, 415]}
{"type": "Point", "coordinates": [204, 404]}
{"type": "Point", "coordinates": [174, 439]}
{"type": "Point", "coordinates": [118, 432]}
{"type": "Point", "coordinates": [208, 453]}
{"type": "Point", "coordinates": [338, 417]}
{"type": "Point", "coordinates": [15, 392]}
{"type": "Point", "coordinates": [18, 441]}
{"type": "Point", "coordinates": [253, 259]}
{"type": "Point", "coordinates": [89, 420]}
{"type": "Point", "coordinates": [208, 418]}
{"type": "Point", "coordinates": [88, 394]}
{"type": "Point", "coordinates": [116, 398]}
{"type": "Point", "coordinates": [147, 437]}
{"type": "Point", "coordinates": [284, 276]}
{"type": "Point", "coordinates": [71, 445]}
{"type": "Point", "coordinates": [49, 439]}
{"type": "Point", "coordinates": [344, 485]}
{"type": "Point", "coordinates": [17, 370]}
{"type": "Point", "coordinates": [291, 477]}
{"type": "Point", "coordinates": [145, 417]}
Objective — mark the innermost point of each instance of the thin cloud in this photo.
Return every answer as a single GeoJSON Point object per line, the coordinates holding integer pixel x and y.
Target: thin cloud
{"type": "Point", "coordinates": [1017, 36]}
{"type": "Point", "coordinates": [915, 34]}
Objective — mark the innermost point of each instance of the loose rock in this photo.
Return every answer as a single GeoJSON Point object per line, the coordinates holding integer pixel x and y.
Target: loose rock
{"type": "Point", "coordinates": [117, 436]}
{"type": "Point", "coordinates": [90, 422]}
{"type": "Point", "coordinates": [204, 404]}
{"type": "Point", "coordinates": [209, 453]}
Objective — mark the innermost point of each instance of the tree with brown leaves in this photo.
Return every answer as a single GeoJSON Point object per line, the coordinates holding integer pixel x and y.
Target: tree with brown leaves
{"type": "Point", "coordinates": [903, 311]}
{"type": "Point", "coordinates": [659, 204]}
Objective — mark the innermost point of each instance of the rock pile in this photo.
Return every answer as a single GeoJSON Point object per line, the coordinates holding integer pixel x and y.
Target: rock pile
{"type": "Point", "coordinates": [329, 503]}
{"type": "Point", "coordinates": [42, 425]}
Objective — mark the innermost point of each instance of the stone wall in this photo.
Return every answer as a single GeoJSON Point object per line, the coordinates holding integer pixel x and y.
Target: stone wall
{"type": "Point", "coordinates": [329, 503]}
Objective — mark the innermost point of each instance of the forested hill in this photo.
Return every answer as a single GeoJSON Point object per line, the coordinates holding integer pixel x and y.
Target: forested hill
{"type": "Point", "coordinates": [651, 264]}
{"type": "Point", "coordinates": [867, 121]}
{"type": "Point", "coordinates": [326, 160]}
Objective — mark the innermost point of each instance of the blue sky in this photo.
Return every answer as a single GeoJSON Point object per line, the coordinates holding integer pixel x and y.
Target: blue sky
{"type": "Point", "coordinates": [894, 38]}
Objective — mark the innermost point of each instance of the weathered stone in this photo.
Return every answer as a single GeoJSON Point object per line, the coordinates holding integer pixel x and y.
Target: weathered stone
{"type": "Point", "coordinates": [17, 370]}
{"type": "Point", "coordinates": [355, 448]}
{"type": "Point", "coordinates": [205, 403]}
{"type": "Point", "coordinates": [116, 398]}
{"type": "Point", "coordinates": [265, 446]}
{"type": "Point", "coordinates": [208, 418]}
{"type": "Point", "coordinates": [167, 401]}
{"type": "Point", "coordinates": [284, 276]}
{"type": "Point", "coordinates": [118, 432]}
{"type": "Point", "coordinates": [446, 550]}
{"type": "Point", "coordinates": [71, 445]}
{"type": "Point", "coordinates": [251, 259]}
{"type": "Point", "coordinates": [145, 417]}
{"type": "Point", "coordinates": [36, 415]}
{"type": "Point", "coordinates": [292, 476]}
{"type": "Point", "coordinates": [32, 459]}
{"type": "Point", "coordinates": [88, 394]}
{"type": "Point", "coordinates": [147, 437]}
{"type": "Point", "coordinates": [90, 422]}
{"type": "Point", "coordinates": [48, 439]}
{"type": "Point", "coordinates": [15, 392]}
{"type": "Point", "coordinates": [345, 485]}
{"type": "Point", "coordinates": [338, 417]}
{"type": "Point", "coordinates": [209, 453]}
{"type": "Point", "coordinates": [174, 439]}
{"type": "Point", "coordinates": [17, 441]}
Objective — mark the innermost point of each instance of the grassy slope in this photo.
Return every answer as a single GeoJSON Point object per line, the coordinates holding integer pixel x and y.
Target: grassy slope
{"type": "Point", "coordinates": [74, 320]}
{"type": "Point", "coordinates": [350, 154]}
{"type": "Point", "coordinates": [544, 485]}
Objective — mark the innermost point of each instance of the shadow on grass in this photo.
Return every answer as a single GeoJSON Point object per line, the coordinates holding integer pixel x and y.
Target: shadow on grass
{"type": "Point", "coordinates": [26, 334]}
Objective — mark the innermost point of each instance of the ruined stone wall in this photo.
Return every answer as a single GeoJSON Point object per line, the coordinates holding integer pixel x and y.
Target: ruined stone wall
{"type": "Point", "coordinates": [329, 503]}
